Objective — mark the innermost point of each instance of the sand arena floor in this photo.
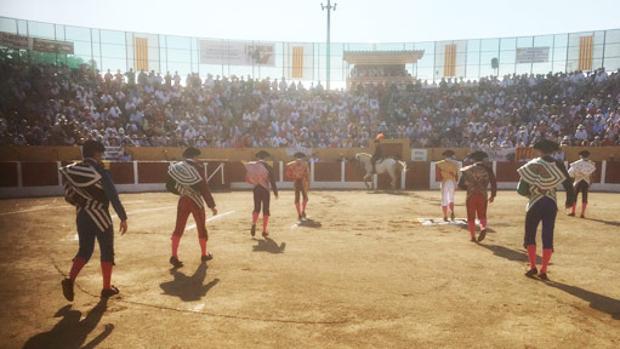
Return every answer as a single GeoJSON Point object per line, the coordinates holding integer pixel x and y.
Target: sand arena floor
{"type": "Point", "coordinates": [366, 273]}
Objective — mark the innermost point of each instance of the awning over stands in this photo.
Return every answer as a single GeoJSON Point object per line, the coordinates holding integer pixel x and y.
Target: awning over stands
{"type": "Point", "coordinates": [379, 67]}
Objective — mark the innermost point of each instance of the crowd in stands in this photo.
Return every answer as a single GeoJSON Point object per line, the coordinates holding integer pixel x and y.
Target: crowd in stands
{"type": "Point", "coordinates": [573, 109]}
{"type": "Point", "coordinates": [378, 71]}
{"type": "Point", "coordinates": [54, 105]}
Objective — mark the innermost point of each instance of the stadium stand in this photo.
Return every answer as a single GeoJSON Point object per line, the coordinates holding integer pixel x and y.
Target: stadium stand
{"type": "Point", "coordinates": [45, 104]}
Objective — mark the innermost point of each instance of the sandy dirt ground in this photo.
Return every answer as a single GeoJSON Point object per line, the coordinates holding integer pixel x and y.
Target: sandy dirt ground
{"type": "Point", "coordinates": [365, 273]}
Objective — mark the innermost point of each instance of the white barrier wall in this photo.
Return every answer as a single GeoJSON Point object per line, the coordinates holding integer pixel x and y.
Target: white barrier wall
{"type": "Point", "coordinates": [29, 179]}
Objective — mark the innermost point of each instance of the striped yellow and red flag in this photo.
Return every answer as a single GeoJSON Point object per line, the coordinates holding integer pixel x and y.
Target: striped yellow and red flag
{"type": "Point", "coordinates": [141, 53]}
{"type": "Point", "coordinates": [585, 53]}
{"type": "Point", "coordinates": [449, 66]}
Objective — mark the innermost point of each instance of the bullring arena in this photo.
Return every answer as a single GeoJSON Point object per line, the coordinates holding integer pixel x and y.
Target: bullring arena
{"type": "Point", "coordinates": [462, 171]}
{"type": "Point", "coordinates": [363, 271]}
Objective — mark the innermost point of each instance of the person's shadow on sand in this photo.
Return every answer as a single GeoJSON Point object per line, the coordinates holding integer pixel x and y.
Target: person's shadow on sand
{"type": "Point", "coordinates": [188, 288]}
{"type": "Point", "coordinates": [268, 245]}
{"type": "Point", "coordinates": [613, 223]}
{"type": "Point", "coordinates": [597, 301]}
{"type": "Point", "coordinates": [508, 253]}
{"type": "Point", "coordinates": [70, 332]}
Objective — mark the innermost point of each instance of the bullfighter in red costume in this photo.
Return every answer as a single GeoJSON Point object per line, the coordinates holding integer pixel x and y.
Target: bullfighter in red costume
{"type": "Point", "coordinates": [185, 179]}
{"type": "Point", "coordinates": [260, 174]}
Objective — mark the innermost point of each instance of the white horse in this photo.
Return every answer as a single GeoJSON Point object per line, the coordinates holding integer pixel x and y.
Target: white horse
{"type": "Point", "coordinates": [387, 165]}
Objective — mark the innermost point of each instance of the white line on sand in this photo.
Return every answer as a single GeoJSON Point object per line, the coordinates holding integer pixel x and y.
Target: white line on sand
{"type": "Point", "coordinates": [198, 307]}
{"type": "Point", "coordinates": [48, 207]}
{"type": "Point", "coordinates": [131, 202]}
{"type": "Point", "coordinates": [33, 209]}
{"type": "Point", "coordinates": [114, 216]}
{"type": "Point", "coordinates": [211, 219]}
{"type": "Point", "coordinates": [74, 236]}
{"type": "Point", "coordinates": [145, 210]}
{"type": "Point", "coordinates": [152, 209]}
{"type": "Point", "coordinates": [220, 216]}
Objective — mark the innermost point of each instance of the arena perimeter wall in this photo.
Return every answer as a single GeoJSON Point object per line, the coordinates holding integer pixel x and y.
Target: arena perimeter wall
{"type": "Point", "coordinates": [41, 178]}
{"type": "Point", "coordinates": [71, 153]}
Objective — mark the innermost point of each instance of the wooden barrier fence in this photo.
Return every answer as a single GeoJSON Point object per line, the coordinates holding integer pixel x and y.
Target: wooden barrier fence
{"type": "Point", "coordinates": [24, 179]}
{"type": "Point", "coordinates": [398, 147]}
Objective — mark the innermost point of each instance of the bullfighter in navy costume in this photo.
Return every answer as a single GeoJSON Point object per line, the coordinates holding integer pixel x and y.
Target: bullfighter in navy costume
{"type": "Point", "coordinates": [89, 187]}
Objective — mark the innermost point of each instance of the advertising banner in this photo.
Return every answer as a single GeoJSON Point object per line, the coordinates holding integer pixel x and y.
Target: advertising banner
{"type": "Point", "coordinates": [237, 52]}
{"type": "Point", "coordinates": [419, 154]}
{"type": "Point", "coordinates": [14, 41]}
{"type": "Point", "coordinates": [43, 45]}
{"type": "Point", "coordinates": [532, 54]}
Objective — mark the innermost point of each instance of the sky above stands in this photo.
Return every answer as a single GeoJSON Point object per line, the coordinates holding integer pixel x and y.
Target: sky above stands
{"type": "Point", "coordinates": [362, 21]}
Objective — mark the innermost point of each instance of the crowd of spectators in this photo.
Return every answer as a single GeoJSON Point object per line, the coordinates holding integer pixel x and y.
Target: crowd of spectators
{"type": "Point", "coordinates": [572, 109]}
{"type": "Point", "coordinates": [379, 71]}
{"type": "Point", "coordinates": [54, 105]}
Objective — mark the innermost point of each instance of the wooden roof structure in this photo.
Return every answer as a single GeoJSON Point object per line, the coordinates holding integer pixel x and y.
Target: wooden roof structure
{"type": "Point", "coordinates": [382, 57]}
